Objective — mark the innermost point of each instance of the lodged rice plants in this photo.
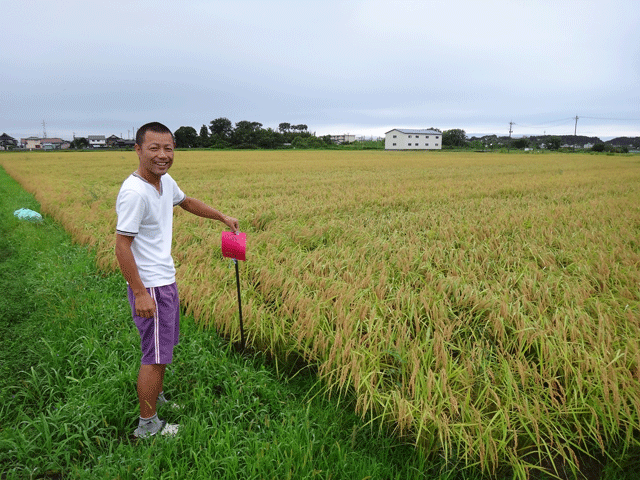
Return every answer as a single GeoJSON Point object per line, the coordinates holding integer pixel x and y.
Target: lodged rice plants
{"type": "Point", "coordinates": [484, 306]}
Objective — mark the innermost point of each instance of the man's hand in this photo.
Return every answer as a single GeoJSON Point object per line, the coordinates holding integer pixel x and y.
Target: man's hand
{"type": "Point", "coordinates": [145, 305]}
{"type": "Point", "coordinates": [231, 222]}
{"type": "Point", "coordinates": [201, 209]}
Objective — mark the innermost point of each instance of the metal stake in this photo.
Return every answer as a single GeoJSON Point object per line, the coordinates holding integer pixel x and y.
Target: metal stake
{"type": "Point", "coordinates": [242, 341]}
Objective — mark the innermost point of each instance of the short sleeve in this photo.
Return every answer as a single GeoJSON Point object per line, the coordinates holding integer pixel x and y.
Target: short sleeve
{"type": "Point", "coordinates": [130, 209]}
{"type": "Point", "coordinates": [178, 195]}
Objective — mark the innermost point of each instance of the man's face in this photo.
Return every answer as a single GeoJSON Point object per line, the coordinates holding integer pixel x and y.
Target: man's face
{"type": "Point", "coordinates": [155, 154]}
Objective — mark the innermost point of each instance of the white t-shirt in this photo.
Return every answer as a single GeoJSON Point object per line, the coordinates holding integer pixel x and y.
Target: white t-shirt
{"type": "Point", "coordinates": [147, 215]}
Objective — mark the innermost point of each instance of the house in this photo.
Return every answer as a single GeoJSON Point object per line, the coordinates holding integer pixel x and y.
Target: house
{"type": "Point", "coordinates": [112, 140]}
{"type": "Point", "coordinates": [31, 143]}
{"type": "Point", "coordinates": [97, 141]}
{"type": "Point", "coordinates": [116, 142]}
{"type": "Point", "coordinates": [53, 144]}
{"type": "Point", "coordinates": [410, 139]}
{"type": "Point", "coordinates": [7, 142]}
{"type": "Point", "coordinates": [37, 143]}
{"type": "Point", "coordinates": [123, 143]}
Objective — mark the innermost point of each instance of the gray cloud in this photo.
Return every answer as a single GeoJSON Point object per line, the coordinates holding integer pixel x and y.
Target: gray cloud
{"type": "Point", "coordinates": [363, 66]}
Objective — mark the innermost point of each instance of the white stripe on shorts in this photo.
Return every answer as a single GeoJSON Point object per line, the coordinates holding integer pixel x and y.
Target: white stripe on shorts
{"type": "Point", "coordinates": [156, 326]}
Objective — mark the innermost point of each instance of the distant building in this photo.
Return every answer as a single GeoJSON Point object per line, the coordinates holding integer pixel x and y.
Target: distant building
{"type": "Point", "coordinates": [408, 139]}
{"type": "Point", "coordinates": [343, 138]}
{"type": "Point", "coordinates": [37, 143]}
{"type": "Point", "coordinates": [116, 142]}
{"type": "Point", "coordinates": [31, 143]}
{"type": "Point", "coordinates": [97, 141]}
{"type": "Point", "coordinates": [53, 144]}
{"type": "Point", "coordinates": [112, 140]}
{"type": "Point", "coordinates": [122, 143]}
{"type": "Point", "coordinates": [7, 142]}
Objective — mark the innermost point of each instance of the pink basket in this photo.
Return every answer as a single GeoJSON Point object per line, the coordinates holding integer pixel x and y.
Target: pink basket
{"type": "Point", "coordinates": [234, 245]}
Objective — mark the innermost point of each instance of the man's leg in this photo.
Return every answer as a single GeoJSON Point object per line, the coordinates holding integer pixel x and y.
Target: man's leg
{"type": "Point", "coordinates": [150, 379]}
{"type": "Point", "coordinates": [158, 336]}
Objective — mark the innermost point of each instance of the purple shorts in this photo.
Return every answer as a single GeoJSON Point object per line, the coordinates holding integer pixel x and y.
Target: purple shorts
{"type": "Point", "coordinates": [159, 334]}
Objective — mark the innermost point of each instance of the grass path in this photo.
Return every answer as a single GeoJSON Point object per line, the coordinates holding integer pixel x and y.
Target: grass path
{"type": "Point", "coordinates": [68, 365]}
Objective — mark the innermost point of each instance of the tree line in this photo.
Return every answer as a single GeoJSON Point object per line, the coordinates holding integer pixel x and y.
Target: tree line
{"type": "Point", "coordinates": [222, 133]}
{"type": "Point", "coordinates": [457, 138]}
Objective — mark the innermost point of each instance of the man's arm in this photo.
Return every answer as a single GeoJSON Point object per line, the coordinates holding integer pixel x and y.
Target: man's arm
{"type": "Point", "coordinates": [144, 304]}
{"type": "Point", "coordinates": [201, 209]}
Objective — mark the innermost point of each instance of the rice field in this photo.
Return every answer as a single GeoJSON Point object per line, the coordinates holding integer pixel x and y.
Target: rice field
{"type": "Point", "coordinates": [484, 306]}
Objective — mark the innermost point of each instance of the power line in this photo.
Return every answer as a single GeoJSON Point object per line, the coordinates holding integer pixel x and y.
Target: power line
{"type": "Point", "coordinates": [615, 119]}
{"type": "Point", "coordinates": [548, 124]}
{"type": "Point", "coordinates": [566, 120]}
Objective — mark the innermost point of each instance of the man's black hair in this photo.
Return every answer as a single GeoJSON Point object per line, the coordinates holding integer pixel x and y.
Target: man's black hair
{"type": "Point", "coordinates": [155, 127]}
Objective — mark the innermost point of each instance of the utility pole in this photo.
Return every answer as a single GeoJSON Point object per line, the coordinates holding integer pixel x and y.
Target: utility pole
{"type": "Point", "coordinates": [511, 124]}
{"type": "Point", "coordinates": [575, 134]}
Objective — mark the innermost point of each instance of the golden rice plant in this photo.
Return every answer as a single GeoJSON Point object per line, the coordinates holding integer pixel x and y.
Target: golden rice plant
{"type": "Point", "coordinates": [485, 306]}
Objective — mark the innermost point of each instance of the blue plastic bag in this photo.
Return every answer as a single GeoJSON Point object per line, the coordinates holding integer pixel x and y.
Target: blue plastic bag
{"type": "Point", "coordinates": [28, 215]}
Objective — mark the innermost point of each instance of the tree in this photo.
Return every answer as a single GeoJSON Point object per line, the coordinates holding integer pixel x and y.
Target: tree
{"type": "Point", "coordinates": [553, 143]}
{"type": "Point", "coordinates": [186, 137]}
{"type": "Point", "coordinates": [246, 134]}
{"type": "Point", "coordinates": [476, 144]}
{"type": "Point", "coordinates": [598, 147]}
{"type": "Point", "coordinates": [221, 128]}
{"type": "Point", "coordinates": [79, 142]}
{"type": "Point", "coordinates": [203, 138]}
{"type": "Point", "coordinates": [269, 138]}
{"type": "Point", "coordinates": [284, 127]}
{"type": "Point", "coordinates": [454, 138]}
{"type": "Point", "coordinates": [521, 143]}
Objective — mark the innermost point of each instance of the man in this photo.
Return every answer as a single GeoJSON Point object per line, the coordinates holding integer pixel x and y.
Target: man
{"type": "Point", "coordinates": [143, 249]}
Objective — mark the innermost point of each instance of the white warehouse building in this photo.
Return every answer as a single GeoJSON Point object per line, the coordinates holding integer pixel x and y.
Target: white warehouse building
{"type": "Point", "coordinates": [408, 139]}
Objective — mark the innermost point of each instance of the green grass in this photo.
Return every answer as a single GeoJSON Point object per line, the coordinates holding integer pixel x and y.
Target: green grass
{"type": "Point", "coordinates": [68, 366]}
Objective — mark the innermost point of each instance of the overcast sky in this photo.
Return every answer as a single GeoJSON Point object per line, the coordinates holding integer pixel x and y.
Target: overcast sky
{"type": "Point", "coordinates": [361, 67]}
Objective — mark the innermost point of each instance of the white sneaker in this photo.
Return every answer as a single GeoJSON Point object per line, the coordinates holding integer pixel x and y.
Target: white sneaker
{"type": "Point", "coordinates": [149, 430]}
